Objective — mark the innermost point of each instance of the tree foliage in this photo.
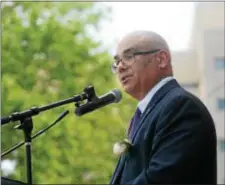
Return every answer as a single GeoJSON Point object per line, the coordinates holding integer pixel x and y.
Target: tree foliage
{"type": "Point", "coordinates": [49, 54]}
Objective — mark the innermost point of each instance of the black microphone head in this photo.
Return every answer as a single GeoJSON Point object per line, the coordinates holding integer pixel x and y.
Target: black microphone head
{"type": "Point", "coordinates": [113, 96]}
{"type": "Point", "coordinates": [118, 95]}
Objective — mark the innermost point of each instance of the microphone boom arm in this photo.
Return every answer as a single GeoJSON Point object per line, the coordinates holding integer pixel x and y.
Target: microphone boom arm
{"type": "Point", "coordinates": [89, 94]}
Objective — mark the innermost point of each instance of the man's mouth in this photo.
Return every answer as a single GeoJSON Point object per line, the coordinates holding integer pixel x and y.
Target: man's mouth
{"type": "Point", "coordinates": [125, 79]}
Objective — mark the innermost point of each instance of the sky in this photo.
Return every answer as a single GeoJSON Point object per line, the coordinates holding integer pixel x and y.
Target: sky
{"type": "Point", "coordinates": [172, 20]}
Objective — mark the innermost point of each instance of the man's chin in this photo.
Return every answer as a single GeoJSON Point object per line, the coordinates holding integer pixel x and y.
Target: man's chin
{"type": "Point", "coordinates": [128, 88]}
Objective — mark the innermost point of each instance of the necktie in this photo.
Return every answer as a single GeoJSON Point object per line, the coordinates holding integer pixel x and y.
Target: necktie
{"type": "Point", "coordinates": [134, 122]}
{"type": "Point", "coordinates": [132, 127]}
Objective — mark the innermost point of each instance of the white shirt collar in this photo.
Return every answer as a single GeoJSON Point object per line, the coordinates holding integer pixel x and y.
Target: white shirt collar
{"type": "Point", "coordinates": [145, 101]}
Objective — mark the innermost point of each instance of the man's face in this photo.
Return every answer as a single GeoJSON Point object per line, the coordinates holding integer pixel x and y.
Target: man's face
{"type": "Point", "coordinates": [135, 72]}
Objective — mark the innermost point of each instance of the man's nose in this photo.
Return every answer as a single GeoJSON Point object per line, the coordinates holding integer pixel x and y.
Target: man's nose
{"type": "Point", "coordinates": [121, 67]}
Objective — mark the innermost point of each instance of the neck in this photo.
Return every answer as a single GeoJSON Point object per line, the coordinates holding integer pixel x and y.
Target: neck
{"type": "Point", "coordinates": [142, 93]}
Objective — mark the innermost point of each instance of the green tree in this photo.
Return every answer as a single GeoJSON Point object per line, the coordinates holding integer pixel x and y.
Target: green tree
{"type": "Point", "coordinates": [49, 54]}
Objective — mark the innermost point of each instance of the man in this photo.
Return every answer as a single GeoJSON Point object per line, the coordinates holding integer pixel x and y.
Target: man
{"type": "Point", "coordinates": [174, 138]}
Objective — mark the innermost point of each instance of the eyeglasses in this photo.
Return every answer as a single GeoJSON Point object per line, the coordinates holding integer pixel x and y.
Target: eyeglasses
{"type": "Point", "coordinates": [128, 58]}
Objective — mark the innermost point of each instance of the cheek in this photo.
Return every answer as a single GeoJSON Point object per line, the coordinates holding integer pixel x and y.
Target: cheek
{"type": "Point", "coordinates": [138, 76]}
{"type": "Point", "coordinates": [142, 75]}
{"type": "Point", "coordinates": [140, 71]}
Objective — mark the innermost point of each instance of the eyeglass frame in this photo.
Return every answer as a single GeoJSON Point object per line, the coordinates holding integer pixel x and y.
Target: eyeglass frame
{"type": "Point", "coordinates": [114, 67]}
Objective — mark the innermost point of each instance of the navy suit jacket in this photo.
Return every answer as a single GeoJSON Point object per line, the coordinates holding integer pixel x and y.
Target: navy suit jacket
{"type": "Point", "coordinates": [174, 143]}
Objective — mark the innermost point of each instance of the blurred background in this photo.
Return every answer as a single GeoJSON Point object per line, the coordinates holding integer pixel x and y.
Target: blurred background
{"type": "Point", "coordinates": [53, 50]}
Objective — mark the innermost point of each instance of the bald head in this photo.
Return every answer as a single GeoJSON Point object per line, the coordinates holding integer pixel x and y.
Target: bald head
{"type": "Point", "coordinates": [146, 40]}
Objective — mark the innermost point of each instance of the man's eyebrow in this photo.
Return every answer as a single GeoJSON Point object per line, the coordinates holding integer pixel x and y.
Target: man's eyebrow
{"type": "Point", "coordinates": [125, 51]}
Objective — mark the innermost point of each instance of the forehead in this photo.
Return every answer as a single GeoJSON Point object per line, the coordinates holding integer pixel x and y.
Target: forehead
{"type": "Point", "coordinates": [126, 44]}
{"type": "Point", "coordinates": [130, 43]}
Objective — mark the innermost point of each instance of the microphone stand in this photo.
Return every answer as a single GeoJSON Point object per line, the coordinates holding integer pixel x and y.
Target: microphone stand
{"type": "Point", "coordinates": [28, 147]}
{"type": "Point", "coordinates": [26, 122]}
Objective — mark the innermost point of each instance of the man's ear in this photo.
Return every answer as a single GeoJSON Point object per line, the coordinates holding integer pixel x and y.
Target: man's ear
{"type": "Point", "coordinates": [163, 59]}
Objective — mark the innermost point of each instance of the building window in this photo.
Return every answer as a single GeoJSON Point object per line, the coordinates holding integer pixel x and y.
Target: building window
{"type": "Point", "coordinates": [221, 103]}
{"type": "Point", "coordinates": [222, 145]}
{"type": "Point", "coordinates": [220, 62]}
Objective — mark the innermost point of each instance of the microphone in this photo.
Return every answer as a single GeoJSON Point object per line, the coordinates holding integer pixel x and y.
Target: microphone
{"type": "Point", "coordinates": [5, 120]}
{"type": "Point", "coordinates": [113, 96]}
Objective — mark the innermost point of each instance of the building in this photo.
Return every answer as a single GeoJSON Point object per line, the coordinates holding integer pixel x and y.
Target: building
{"type": "Point", "coordinates": [201, 70]}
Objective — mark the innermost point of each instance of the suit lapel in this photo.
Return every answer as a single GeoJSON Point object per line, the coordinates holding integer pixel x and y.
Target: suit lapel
{"type": "Point", "coordinates": [156, 98]}
{"type": "Point", "coordinates": [118, 169]}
